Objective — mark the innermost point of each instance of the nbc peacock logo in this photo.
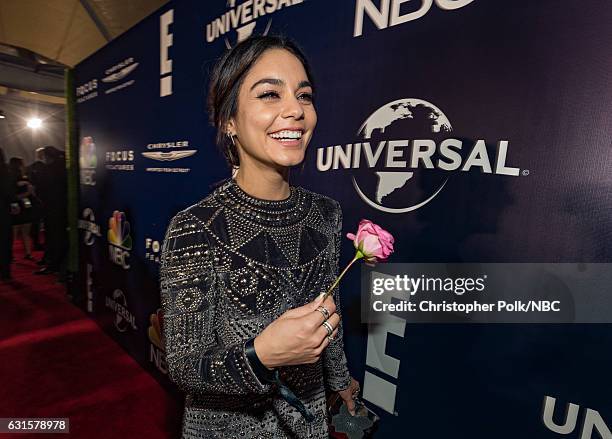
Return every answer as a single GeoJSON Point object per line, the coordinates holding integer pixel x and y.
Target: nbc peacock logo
{"type": "Point", "coordinates": [88, 161]}
{"type": "Point", "coordinates": [157, 352]}
{"type": "Point", "coordinates": [119, 239]}
{"type": "Point", "coordinates": [155, 330]}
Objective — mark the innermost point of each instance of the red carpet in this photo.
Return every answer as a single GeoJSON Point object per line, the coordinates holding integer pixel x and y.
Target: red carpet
{"type": "Point", "coordinates": [56, 362]}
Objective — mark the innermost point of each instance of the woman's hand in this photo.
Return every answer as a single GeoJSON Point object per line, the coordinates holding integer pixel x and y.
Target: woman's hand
{"type": "Point", "coordinates": [297, 336]}
{"type": "Point", "coordinates": [349, 394]}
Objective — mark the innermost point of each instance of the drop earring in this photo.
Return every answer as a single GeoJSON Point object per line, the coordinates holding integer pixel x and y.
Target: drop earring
{"type": "Point", "coordinates": [233, 159]}
{"type": "Point", "coordinates": [231, 136]}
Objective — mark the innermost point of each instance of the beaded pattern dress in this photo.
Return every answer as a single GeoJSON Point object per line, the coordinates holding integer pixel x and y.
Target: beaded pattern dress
{"type": "Point", "coordinates": [231, 264]}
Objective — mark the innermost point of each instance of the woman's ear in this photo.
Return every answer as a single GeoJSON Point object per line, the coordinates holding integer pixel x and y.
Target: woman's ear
{"type": "Point", "coordinates": [230, 127]}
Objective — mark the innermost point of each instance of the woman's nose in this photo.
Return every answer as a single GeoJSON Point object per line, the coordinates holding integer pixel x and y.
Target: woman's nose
{"type": "Point", "coordinates": [293, 108]}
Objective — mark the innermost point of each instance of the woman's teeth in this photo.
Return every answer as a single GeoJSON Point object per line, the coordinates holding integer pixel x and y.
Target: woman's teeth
{"type": "Point", "coordinates": [287, 135]}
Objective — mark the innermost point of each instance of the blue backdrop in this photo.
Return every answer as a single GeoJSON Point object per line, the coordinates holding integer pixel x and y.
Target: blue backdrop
{"type": "Point", "coordinates": [474, 130]}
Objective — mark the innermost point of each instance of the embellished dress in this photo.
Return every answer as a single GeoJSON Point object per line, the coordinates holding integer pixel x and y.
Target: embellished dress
{"type": "Point", "coordinates": [231, 264]}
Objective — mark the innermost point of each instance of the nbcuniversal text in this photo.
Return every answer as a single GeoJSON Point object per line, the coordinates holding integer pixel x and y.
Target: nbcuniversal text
{"type": "Point", "coordinates": [486, 293]}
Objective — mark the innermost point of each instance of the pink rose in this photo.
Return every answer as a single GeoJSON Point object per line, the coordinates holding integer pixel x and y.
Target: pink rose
{"type": "Point", "coordinates": [374, 242]}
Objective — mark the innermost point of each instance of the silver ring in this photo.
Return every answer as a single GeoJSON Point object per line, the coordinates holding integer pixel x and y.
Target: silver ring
{"type": "Point", "coordinates": [323, 311]}
{"type": "Point", "coordinates": [330, 338]}
{"type": "Point", "coordinates": [330, 329]}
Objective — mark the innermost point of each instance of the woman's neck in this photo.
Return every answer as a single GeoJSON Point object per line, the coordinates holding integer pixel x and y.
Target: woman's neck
{"type": "Point", "coordinates": [266, 185]}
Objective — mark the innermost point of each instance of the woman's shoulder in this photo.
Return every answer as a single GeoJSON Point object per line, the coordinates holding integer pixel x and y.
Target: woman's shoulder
{"type": "Point", "coordinates": [198, 214]}
{"type": "Point", "coordinates": [324, 202]}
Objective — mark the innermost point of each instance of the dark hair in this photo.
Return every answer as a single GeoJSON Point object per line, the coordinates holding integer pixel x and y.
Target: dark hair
{"type": "Point", "coordinates": [228, 75]}
{"type": "Point", "coordinates": [16, 167]}
{"type": "Point", "coordinates": [52, 154]}
{"type": "Point", "coordinates": [3, 167]}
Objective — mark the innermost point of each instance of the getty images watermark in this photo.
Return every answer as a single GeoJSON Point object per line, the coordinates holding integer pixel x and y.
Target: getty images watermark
{"type": "Point", "coordinates": [487, 293]}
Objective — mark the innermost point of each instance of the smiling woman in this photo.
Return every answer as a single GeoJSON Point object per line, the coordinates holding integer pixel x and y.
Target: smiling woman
{"type": "Point", "coordinates": [275, 117]}
{"type": "Point", "coordinates": [247, 335]}
{"type": "Point", "coordinates": [271, 106]}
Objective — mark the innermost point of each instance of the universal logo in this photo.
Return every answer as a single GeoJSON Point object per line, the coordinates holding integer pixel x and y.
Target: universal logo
{"type": "Point", "coordinates": [152, 248]}
{"type": "Point", "coordinates": [388, 14]}
{"type": "Point", "coordinates": [124, 319]}
{"type": "Point", "coordinates": [118, 72]}
{"type": "Point", "coordinates": [119, 240]}
{"type": "Point", "coordinates": [88, 161]}
{"type": "Point", "coordinates": [119, 160]}
{"type": "Point", "coordinates": [243, 18]}
{"type": "Point", "coordinates": [592, 420]}
{"type": "Point", "coordinates": [395, 162]}
{"type": "Point", "coordinates": [158, 153]}
{"type": "Point", "coordinates": [90, 228]}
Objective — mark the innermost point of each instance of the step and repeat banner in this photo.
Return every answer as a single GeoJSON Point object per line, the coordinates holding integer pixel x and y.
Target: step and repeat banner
{"type": "Point", "coordinates": [476, 131]}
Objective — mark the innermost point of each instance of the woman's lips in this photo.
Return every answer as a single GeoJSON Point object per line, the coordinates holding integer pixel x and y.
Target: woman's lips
{"type": "Point", "coordinates": [288, 143]}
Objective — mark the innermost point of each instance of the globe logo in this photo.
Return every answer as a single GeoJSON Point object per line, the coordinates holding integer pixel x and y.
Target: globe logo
{"type": "Point", "coordinates": [124, 319]}
{"type": "Point", "coordinates": [89, 226]}
{"type": "Point", "coordinates": [389, 189]}
{"type": "Point", "coordinates": [404, 155]}
{"type": "Point", "coordinates": [405, 109]}
{"type": "Point", "coordinates": [246, 31]}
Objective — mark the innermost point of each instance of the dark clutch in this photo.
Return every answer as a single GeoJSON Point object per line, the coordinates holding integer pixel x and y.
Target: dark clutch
{"type": "Point", "coordinates": [342, 425]}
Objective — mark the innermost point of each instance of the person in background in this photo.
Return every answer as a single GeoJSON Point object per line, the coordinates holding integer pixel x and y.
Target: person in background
{"type": "Point", "coordinates": [37, 176]}
{"type": "Point", "coordinates": [24, 191]}
{"type": "Point", "coordinates": [56, 219]}
{"type": "Point", "coordinates": [7, 207]}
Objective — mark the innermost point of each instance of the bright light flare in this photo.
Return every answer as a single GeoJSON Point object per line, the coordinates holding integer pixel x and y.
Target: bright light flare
{"type": "Point", "coordinates": [34, 123]}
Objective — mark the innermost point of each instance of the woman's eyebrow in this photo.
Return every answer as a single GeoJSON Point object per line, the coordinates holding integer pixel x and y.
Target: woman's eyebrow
{"type": "Point", "coordinates": [280, 82]}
